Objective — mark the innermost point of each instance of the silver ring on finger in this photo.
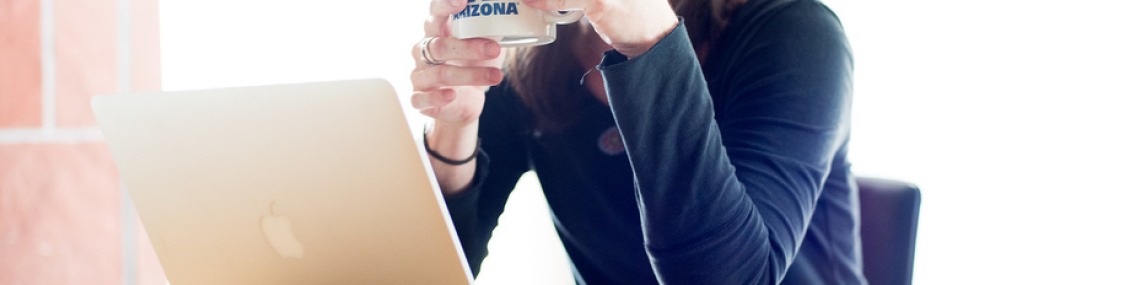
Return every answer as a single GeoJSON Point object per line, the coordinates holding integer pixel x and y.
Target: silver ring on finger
{"type": "Point", "coordinates": [425, 54]}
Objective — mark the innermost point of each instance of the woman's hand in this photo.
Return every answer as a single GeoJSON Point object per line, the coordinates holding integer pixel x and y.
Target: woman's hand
{"type": "Point", "coordinates": [451, 91]}
{"type": "Point", "coordinates": [630, 26]}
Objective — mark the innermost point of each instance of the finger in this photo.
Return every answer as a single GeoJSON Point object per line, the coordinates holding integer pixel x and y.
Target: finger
{"type": "Point", "coordinates": [436, 26]}
{"type": "Point", "coordinates": [417, 54]}
{"type": "Point", "coordinates": [461, 51]}
{"type": "Point", "coordinates": [432, 77]}
{"type": "Point", "coordinates": [466, 49]}
{"type": "Point", "coordinates": [433, 99]}
{"type": "Point", "coordinates": [558, 5]}
{"type": "Point", "coordinates": [441, 11]}
{"type": "Point", "coordinates": [430, 112]}
{"type": "Point", "coordinates": [446, 7]}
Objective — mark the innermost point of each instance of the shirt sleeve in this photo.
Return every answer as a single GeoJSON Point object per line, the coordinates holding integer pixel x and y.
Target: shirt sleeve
{"type": "Point", "coordinates": [725, 197]}
{"type": "Point", "coordinates": [501, 160]}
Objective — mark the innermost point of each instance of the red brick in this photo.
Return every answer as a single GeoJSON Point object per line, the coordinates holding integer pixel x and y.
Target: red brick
{"type": "Point", "coordinates": [59, 215]}
{"type": "Point", "coordinates": [20, 63]}
{"type": "Point", "coordinates": [85, 58]}
{"type": "Point", "coordinates": [145, 56]}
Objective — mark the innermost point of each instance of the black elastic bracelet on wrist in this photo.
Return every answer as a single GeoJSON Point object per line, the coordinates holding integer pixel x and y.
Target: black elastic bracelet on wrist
{"type": "Point", "coordinates": [449, 161]}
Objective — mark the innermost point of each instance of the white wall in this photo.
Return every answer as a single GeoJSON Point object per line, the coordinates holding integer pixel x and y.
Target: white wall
{"type": "Point", "coordinates": [1017, 118]}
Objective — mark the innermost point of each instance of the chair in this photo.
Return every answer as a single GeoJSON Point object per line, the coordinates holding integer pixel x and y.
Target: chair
{"type": "Point", "coordinates": [889, 223]}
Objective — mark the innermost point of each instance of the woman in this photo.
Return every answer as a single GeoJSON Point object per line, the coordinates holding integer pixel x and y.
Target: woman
{"type": "Point", "coordinates": [708, 146]}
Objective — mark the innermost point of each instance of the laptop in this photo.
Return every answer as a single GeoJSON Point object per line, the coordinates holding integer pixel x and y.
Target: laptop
{"type": "Point", "coordinates": [315, 183]}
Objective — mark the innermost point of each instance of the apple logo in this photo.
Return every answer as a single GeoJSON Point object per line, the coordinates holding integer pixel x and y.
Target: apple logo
{"type": "Point", "coordinates": [278, 231]}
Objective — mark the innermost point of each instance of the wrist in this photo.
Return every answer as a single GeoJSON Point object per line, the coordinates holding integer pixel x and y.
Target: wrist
{"type": "Point", "coordinates": [651, 37]}
{"type": "Point", "coordinates": [453, 140]}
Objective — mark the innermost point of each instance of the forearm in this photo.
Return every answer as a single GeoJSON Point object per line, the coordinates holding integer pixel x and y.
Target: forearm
{"type": "Point", "coordinates": [727, 200]}
{"type": "Point", "coordinates": [453, 142]}
{"type": "Point", "coordinates": [493, 174]}
{"type": "Point", "coordinates": [665, 119]}
{"type": "Point", "coordinates": [693, 207]}
{"type": "Point", "coordinates": [465, 208]}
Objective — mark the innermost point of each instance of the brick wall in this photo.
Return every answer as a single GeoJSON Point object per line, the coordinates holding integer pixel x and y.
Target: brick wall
{"type": "Point", "coordinates": [63, 217]}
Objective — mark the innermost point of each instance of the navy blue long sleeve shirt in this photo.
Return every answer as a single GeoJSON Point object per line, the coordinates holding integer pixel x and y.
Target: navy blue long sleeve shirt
{"type": "Point", "coordinates": [730, 173]}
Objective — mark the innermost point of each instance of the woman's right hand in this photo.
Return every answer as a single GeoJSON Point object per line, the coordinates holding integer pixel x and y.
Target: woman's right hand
{"type": "Point", "coordinates": [452, 93]}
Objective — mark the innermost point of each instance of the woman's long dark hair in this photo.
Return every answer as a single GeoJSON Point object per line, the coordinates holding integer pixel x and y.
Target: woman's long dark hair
{"type": "Point", "coordinates": [546, 77]}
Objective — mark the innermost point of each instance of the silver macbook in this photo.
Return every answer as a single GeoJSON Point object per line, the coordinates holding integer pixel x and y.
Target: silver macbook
{"type": "Point", "coordinates": [316, 183]}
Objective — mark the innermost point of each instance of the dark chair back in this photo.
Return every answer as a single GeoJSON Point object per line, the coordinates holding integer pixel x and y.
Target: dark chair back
{"type": "Point", "coordinates": [889, 225]}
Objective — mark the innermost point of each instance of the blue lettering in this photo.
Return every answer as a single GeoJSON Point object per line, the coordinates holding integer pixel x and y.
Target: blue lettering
{"type": "Point", "coordinates": [487, 9]}
{"type": "Point", "coordinates": [500, 8]}
{"type": "Point", "coordinates": [512, 8]}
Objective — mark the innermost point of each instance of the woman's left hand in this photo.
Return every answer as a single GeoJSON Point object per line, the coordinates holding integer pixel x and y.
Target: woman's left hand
{"type": "Point", "coordinates": [630, 26]}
